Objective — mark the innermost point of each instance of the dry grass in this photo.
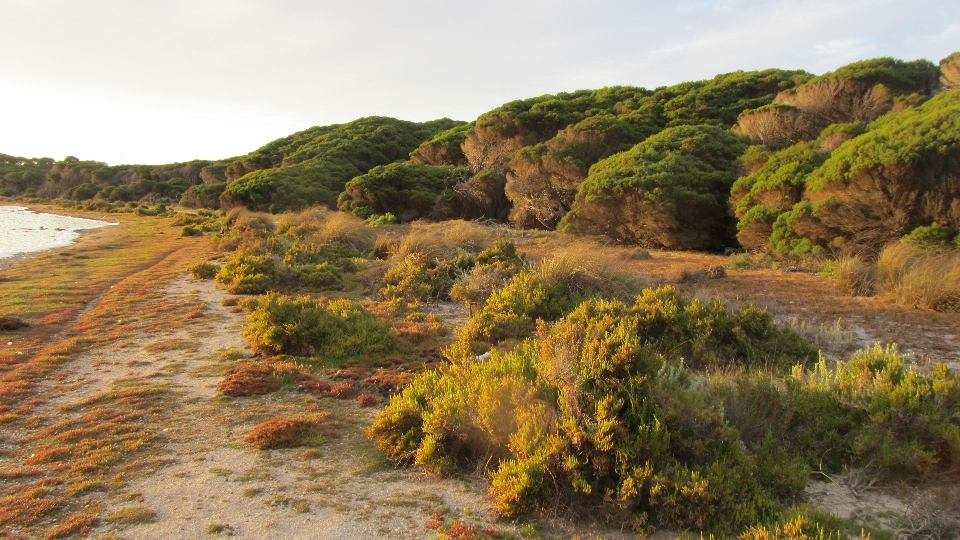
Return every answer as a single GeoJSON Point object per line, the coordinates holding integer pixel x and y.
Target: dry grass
{"type": "Point", "coordinates": [347, 229]}
{"type": "Point", "coordinates": [853, 276]}
{"type": "Point", "coordinates": [920, 278]}
{"type": "Point", "coordinates": [133, 515]}
{"type": "Point", "coordinates": [583, 269]}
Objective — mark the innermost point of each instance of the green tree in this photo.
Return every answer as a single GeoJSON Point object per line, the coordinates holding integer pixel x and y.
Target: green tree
{"type": "Point", "coordinates": [668, 191]}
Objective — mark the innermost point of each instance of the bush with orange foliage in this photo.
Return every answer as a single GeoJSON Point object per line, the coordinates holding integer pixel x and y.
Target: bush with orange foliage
{"type": "Point", "coordinates": [291, 432]}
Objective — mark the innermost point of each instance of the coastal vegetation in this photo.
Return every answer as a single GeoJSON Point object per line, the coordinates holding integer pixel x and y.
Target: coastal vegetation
{"type": "Point", "coordinates": [534, 300]}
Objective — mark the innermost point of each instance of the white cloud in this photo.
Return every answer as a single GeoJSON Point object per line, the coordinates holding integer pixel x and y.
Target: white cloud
{"type": "Point", "coordinates": [241, 71]}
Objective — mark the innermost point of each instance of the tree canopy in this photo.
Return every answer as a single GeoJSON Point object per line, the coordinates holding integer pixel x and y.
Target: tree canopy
{"type": "Point", "coordinates": [314, 165]}
{"type": "Point", "coordinates": [668, 191]}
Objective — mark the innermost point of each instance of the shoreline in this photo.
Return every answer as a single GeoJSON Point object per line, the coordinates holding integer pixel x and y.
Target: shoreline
{"type": "Point", "coordinates": [51, 209]}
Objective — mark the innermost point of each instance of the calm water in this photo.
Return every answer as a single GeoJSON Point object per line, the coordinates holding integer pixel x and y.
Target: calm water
{"type": "Point", "coordinates": [24, 231]}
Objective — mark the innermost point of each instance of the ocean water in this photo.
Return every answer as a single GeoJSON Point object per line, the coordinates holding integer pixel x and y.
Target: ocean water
{"type": "Point", "coordinates": [25, 231]}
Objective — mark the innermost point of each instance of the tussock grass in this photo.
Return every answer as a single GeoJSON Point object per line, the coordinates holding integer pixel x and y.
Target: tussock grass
{"type": "Point", "coordinates": [424, 240]}
{"type": "Point", "coordinates": [340, 227]}
{"type": "Point", "coordinates": [920, 277]}
{"type": "Point", "coordinates": [468, 235]}
{"type": "Point", "coordinates": [240, 219]}
{"type": "Point", "coordinates": [586, 271]}
{"type": "Point", "coordinates": [853, 276]}
{"type": "Point", "coordinates": [441, 240]}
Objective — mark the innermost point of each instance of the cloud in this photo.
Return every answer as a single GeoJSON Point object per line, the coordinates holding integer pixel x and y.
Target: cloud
{"type": "Point", "coordinates": [324, 61]}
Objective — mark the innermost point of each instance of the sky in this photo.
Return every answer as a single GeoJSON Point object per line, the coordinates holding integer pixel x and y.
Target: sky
{"type": "Point", "coordinates": [145, 81]}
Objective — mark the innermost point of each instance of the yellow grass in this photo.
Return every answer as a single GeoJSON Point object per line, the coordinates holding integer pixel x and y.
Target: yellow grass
{"type": "Point", "coordinates": [920, 278]}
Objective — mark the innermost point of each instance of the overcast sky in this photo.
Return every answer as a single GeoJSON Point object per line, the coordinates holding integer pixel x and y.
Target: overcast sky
{"type": "Point", "coordinates": [174, 80]}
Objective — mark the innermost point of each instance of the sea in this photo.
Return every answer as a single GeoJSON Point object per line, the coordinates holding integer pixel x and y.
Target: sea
{"type": "Point", "coordinates": [25, 231]}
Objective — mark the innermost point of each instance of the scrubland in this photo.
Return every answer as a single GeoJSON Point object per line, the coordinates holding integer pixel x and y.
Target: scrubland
{"type": "Point", "coordinates": [310, 374]}
{"type": "Point", "coordinates": [515, 327]}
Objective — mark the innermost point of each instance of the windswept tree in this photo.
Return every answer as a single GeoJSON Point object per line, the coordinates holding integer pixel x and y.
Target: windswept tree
{"type": "Point", "coordinates": [902, 174]}
{"type": "Point", "coordinates": [774, 125]}
{"type": "Point", "coordinates": [472, 196]}
{"type": "Point", "coordinates": [314, 165]}
{"type": "Point", "coordinates": [543, 179]}
{"type": "Point", "coordinates": [858, 92]}
{"type": "Point", "coordinates": [407, 190]}
{"type": "Point", "coordinates": [669, 191]}
{"type": "Point", "coordinates": [950, 72]}
{"type": "Point", "coordinates": [775, 186]}
{"type": "Point", "coordinates": [444, 149]}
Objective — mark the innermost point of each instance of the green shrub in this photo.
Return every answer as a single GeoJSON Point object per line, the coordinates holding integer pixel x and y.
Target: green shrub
{"type": "Point", "coordinates": [934, 236]}
{"type": "Point", "coordinates": [794, 426]}
{"type": "Point", "coordinates": [303, 326]}
{"type": "Point", "coordinates": [191, 230]}
{"type": "Point", "coordinates": [800, 523]}
{"type": "Point", "coordinates": [417, 279]}
{"type": "Point", "coordinates": [493, 269]}
{"type": "Point", "coordinates": [910, 420]}
{"type": "Point", "coordinates": [203, 196]}
{"type": "Point", "coordinates": [323, 276]}
{"type": "Point", "coordinates": [383, 219]}
{"type": "Point", "coordinates": [595, 409]}
{"type": "Point", "coordinates": [203, 270]}
{"type": "Point", "coordinates": [85, 191]}
{"type": "Point", "coordinates": [304, 252]}
{"type": "Point", "coordinates": [248, 274]}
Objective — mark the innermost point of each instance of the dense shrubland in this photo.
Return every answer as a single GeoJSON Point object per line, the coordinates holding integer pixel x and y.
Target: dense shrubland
{"type": "Point", "coordinates": [572, 385]}
{"type": "Point", "coordinates": [668, 191]}
{"type": "Point", "coordinates": [840, 163]}
{"type": "Point", "coordinates": [314, 165]}
{"type": "Point", "coordinates": [664, 412]}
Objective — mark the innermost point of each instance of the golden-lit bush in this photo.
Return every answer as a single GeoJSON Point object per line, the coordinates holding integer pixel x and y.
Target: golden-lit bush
{"type": "Point", "coordinates": [203, 270]}
{"type": "Point", "coordinates": [596, 408]}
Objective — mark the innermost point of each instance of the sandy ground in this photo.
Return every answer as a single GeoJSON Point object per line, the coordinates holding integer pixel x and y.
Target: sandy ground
{"type": "Point", "coordinates": [214, 481]}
